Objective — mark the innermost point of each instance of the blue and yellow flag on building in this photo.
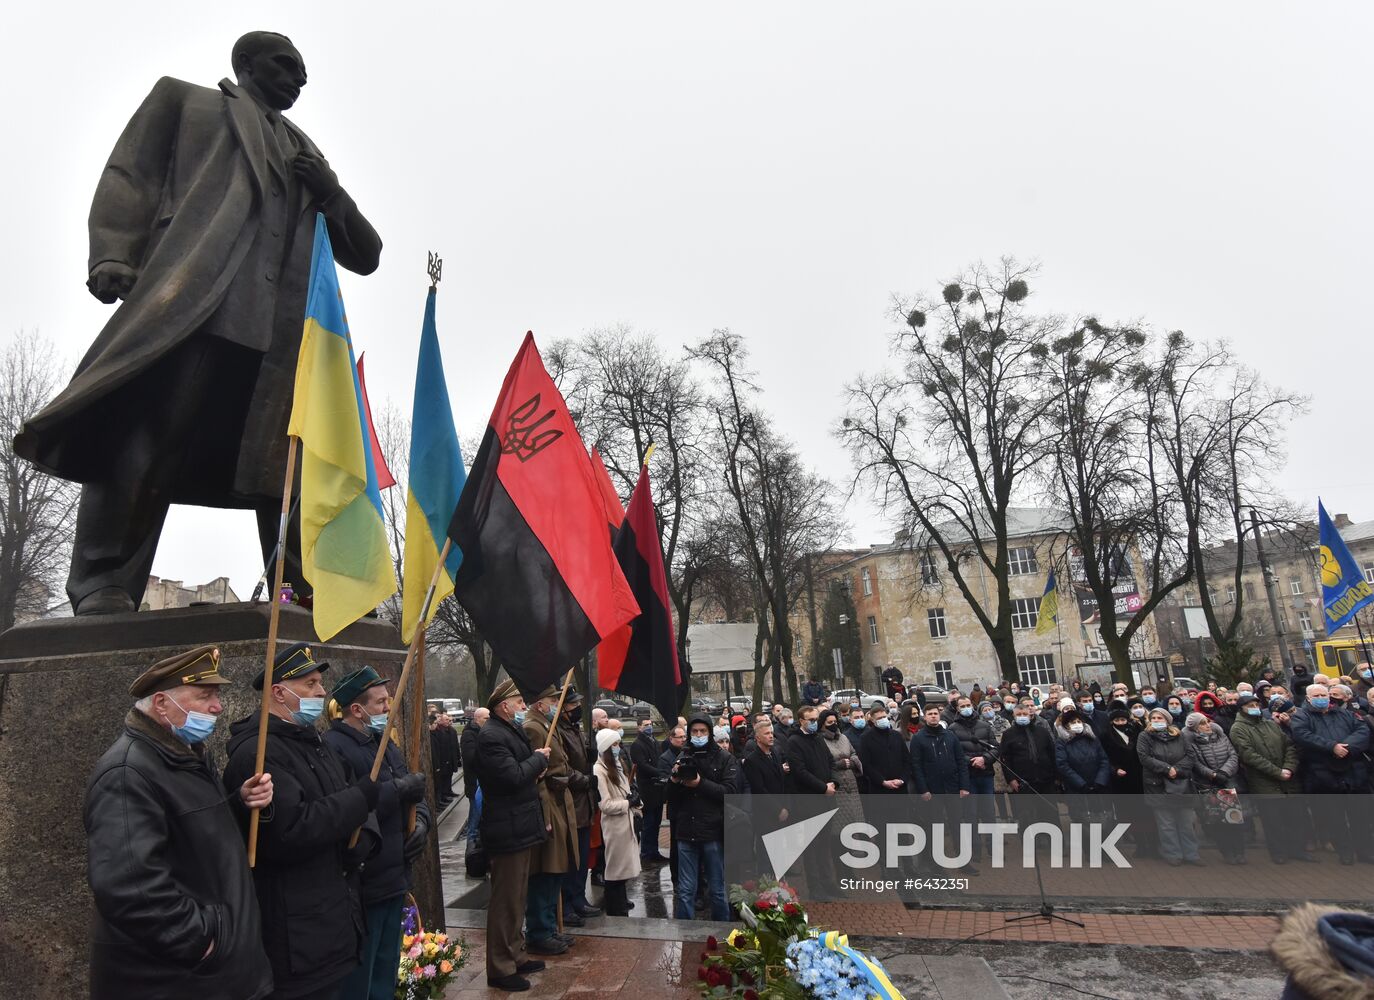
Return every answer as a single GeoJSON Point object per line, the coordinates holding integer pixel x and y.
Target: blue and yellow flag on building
{"type": "Point", "coordinates": [436, 480]}
{"type": "Point", "coordinates": [1048, 617]}
{"type": "Point", "coordinates": [343, 536]}
{"type": "Point", "coordinates": [1344, 588]}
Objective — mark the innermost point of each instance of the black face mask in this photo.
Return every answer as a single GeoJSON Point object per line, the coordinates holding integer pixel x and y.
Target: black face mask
{"type": "Point", "coordinates": [575, 714]}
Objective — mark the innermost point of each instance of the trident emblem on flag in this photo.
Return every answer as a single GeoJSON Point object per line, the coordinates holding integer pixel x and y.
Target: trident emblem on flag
{"type": "Point", "coordinates": [523, 438]}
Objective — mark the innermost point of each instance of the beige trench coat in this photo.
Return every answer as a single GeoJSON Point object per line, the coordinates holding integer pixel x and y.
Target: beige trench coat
{"type": "Point", "coordinates": [559, 853]}
{"type": "Point", "coordinates": [617, 825]}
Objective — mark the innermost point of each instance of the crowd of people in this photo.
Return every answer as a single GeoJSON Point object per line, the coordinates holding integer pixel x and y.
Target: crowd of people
{"type": "Point", "coordinates": [179, 912]}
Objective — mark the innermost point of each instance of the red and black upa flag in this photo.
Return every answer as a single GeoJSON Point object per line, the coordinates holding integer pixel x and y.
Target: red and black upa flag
{"type": "Point", "coordinates": [615, 513]}
{"type": "Point", "coordinates": [645, 667]}
{"type": "Point", "coordinates": [538, 576]}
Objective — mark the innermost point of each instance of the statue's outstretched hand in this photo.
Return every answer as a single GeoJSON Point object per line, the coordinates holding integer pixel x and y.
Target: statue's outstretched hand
{"type": "Point", "coordinates": [111, 280]}
{"type": "Point", "coordinates": [316, 174]}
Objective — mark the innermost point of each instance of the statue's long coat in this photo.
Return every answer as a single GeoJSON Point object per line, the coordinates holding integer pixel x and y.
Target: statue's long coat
{"type": "Point", "coordinates": [200, 201]}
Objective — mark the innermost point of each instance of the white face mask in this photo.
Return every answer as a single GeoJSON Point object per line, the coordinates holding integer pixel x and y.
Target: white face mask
{"type": "Point", "coordinates": [1075, 727]}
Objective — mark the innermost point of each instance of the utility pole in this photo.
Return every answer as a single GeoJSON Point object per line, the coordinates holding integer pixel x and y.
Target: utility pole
{"type": "Point", "coordinates": [1269, 591]}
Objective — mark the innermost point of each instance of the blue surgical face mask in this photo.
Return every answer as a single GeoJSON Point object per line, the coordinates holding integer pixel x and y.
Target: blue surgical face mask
{"type": "Point", "coordinates": [550, 712]}
{"type": "Point", "coordinates": [615, 751]}
{"type": "Point", "coordinates": [810, 727]}
{"type": "Point", "coordinates": [196, 728]}
{"type": "Point", "coordinates": [310, 709]}
{"type": "Point", "coordinates": [988, 713]}
{"type": "Point", "coordinates": [1252, 711]}
{"type": "Point", "coordinates": [518, 718]}
{"type": "Point", "coordinates": [1367, 674]}
{"type": "Point", "coordinates": [1023, 720]}
{"type": "Point", "coordinates": [1148, 699]}
{"type": "Point", "coordinates": [966, 711]}
{"type": "Point", "coordinates": [1159, 725]}
{"type": "Point", "coordinates": [1320, 702]}
{"type": "Point", "coordinates": [884, 723]}
{"type": "Point", "coordinates": [377, 723]}
{"type": "Point", "coordinates": [700, 741]}
{"type": "Point", "coordinates": [859, 723]}
{"type": "Point", "coordinates": [1086, 708]}
{"type": "Point", "coordinates": [647, 730]}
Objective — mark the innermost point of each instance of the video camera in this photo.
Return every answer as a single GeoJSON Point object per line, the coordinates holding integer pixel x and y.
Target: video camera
{"type": "Point", "coordinates": [685, 768]}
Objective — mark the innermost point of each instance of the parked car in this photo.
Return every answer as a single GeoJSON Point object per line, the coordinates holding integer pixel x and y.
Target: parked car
{"type": "Point", "coordinates": [1182, 683]}
{"type": "Point", "coordinates": [708, 705]}
{"type": "Point", "coordinates": [641, 711]}
{"type": "Point", "coordinates": [847, 696]}
{"type": "Point", "coordinates": [611, 707]}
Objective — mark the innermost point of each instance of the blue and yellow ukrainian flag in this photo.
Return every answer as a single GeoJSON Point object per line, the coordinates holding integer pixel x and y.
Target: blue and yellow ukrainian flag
{"type": "Point", "coordinates": [343, 536]}
{"type": "Point", "coordinates": [436, 480]}
{"type": "Point", "coordinates": [1049, 607]}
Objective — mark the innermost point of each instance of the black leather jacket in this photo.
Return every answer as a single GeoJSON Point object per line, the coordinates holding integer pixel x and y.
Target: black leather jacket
{"type": "Point", "coordinates": [169, 873]}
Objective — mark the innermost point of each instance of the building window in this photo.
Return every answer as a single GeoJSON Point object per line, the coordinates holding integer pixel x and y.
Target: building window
{"type": "Point", "coordinates": [930, 574]}
{"type": "Point", "coordinates": [1249, 590]}
{"type": "Point", "coordinates": [935, 618]}
{"type": "Point", "coordinates": [1021, 560]}
{"type": "Point", "coordinates": [1230, 595]}
{"type": "Point", "coordinates": [1038, 669]}
{"type": "Point", "coordinates": [868, 583]}
{"type": "Point", "coordinates": [944, 674]}
{"type": "Point", "coordinates": [1369, 572]}
{"type": "Point", "coordinates": [1295, 585]}
{"type": "Point", "coordinates": [1025, 612]}
{"type": "Point", "coordinates": [1304, 622]}
{"type": "Point", "coordinates": [873, 630]}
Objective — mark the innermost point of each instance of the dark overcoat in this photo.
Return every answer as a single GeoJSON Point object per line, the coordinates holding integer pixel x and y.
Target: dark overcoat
{"type": "Point", "coordinates": [200, 200]}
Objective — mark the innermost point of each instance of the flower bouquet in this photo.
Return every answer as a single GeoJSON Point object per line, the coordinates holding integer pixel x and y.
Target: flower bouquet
{"type": "Point", "coordinates": [428, 960]}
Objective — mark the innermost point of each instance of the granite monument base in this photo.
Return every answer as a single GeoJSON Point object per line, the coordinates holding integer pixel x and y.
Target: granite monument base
{"type": "Point", "coordinates": [64, 692]}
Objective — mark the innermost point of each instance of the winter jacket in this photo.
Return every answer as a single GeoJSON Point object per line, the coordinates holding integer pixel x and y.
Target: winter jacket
{"type": "Point", "coordinates": [846, 779]}
{"type": "Point", "coordinates": [1265, 751]}
{"type": "Point", "coordinates": [1120, 744]}
{"type": "Point", "coordinates": [1328, 954]}
{"type": "Point", "coordinates": [938, 764]}
{"type": "Point", "coordinates": [386, 875]}
{"type": "Point", "coordinates": [306, 876]}
{"type": "Point", "coordinates": [973, 733]}
{"type": "Point", "coordinates": [810, 764]}
{"type": "Point", "coordinates": [763, 772]}
{"type": "Point", "coordinates": [1158, 753]}
{"type": "Point", "coordinates": [1081, 763]}
{"type": "Point", "coordinates": [644, 755]}
{"type": "Point", "coordinates": [698, 813]}
{"type": "Point", "coordinates": [169, 873]}
{"type": "Point", "coordinates": [508, 768]}
{"type": "Point", "coordinates": [580, 771]}
{"type": "Point", "coordinates": [884, 756]}
{"type": "Point", "coordinates": [1027, 756]}
{"type": "Point", "coordinates": [1315, 734]}
{"type": "Point", "coordinates": [1213, 758]}
{"type": "Point", "coordinates": [467, 750]}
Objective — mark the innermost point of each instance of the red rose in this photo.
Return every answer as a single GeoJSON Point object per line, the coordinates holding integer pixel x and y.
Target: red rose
{"type": "Point", "coordinates": [712, 944]}
{"type": "Point", "coordinates": [746, 977]}
{"type": "Point", "coordinates": [763, 904]}
{"type": "Point", "coordinates": [750, 995]}
{"type": "Point", "coordinates": [701, 973]}
{"type": "Point", "coordinates": [791, 909]}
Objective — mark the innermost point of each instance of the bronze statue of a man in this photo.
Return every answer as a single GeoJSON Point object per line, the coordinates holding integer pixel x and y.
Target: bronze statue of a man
{"type": "Point", "coordinates": [202, 225]}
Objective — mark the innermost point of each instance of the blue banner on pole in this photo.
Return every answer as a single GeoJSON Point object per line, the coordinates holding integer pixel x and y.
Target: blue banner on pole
{"type": "Point", "coordinates": [1344, 588]}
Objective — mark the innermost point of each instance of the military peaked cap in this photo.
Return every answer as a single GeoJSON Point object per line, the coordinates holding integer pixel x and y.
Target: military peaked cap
{"type": "Point", "coordinates": [351, 687]}
{"type": "Point", "coordinates": [506, 689]}
{"type": "Point", "coordinates": [198, 666]}
{"type": "Point", "coordinates": [296, 660]}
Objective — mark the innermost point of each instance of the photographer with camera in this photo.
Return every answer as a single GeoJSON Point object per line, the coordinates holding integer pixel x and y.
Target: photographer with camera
{"type": "Point", "coordinates": [698, 781]}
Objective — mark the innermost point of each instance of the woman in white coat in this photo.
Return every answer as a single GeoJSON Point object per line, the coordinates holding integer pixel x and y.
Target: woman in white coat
{"type": "Point", "coordinates": [617, 820]}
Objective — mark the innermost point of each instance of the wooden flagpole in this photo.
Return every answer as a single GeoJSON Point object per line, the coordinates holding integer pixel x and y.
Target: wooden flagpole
{"type": "Point", "coordinates": [273, 620]}
{"type": "Point", "coordinates": [417, 724]}
{"type": "Point", "coordinates": [399, 699]}
{"type": "Point", "coordinates": [548, 742]}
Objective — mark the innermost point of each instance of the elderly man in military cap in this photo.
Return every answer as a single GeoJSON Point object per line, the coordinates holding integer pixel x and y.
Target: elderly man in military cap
{"type": "Point", "coordinates": [363, 699]}
{"type": "Point", "coordinates": [558, 855]}
{"type": "Point", "coordinates": [306, 874]}
{"type": "Point", "coordinates": [175, 912]}
{"type": "Point", "coordinates": [513, 830]}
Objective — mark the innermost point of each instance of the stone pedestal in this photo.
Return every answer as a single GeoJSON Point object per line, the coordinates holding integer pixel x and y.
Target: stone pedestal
{"type": "Point", "coordinates": [63, 696]}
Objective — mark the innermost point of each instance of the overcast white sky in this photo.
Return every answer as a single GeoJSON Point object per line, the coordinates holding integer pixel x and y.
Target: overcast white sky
{"type": "Point", "coordinates": [777, 168]}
